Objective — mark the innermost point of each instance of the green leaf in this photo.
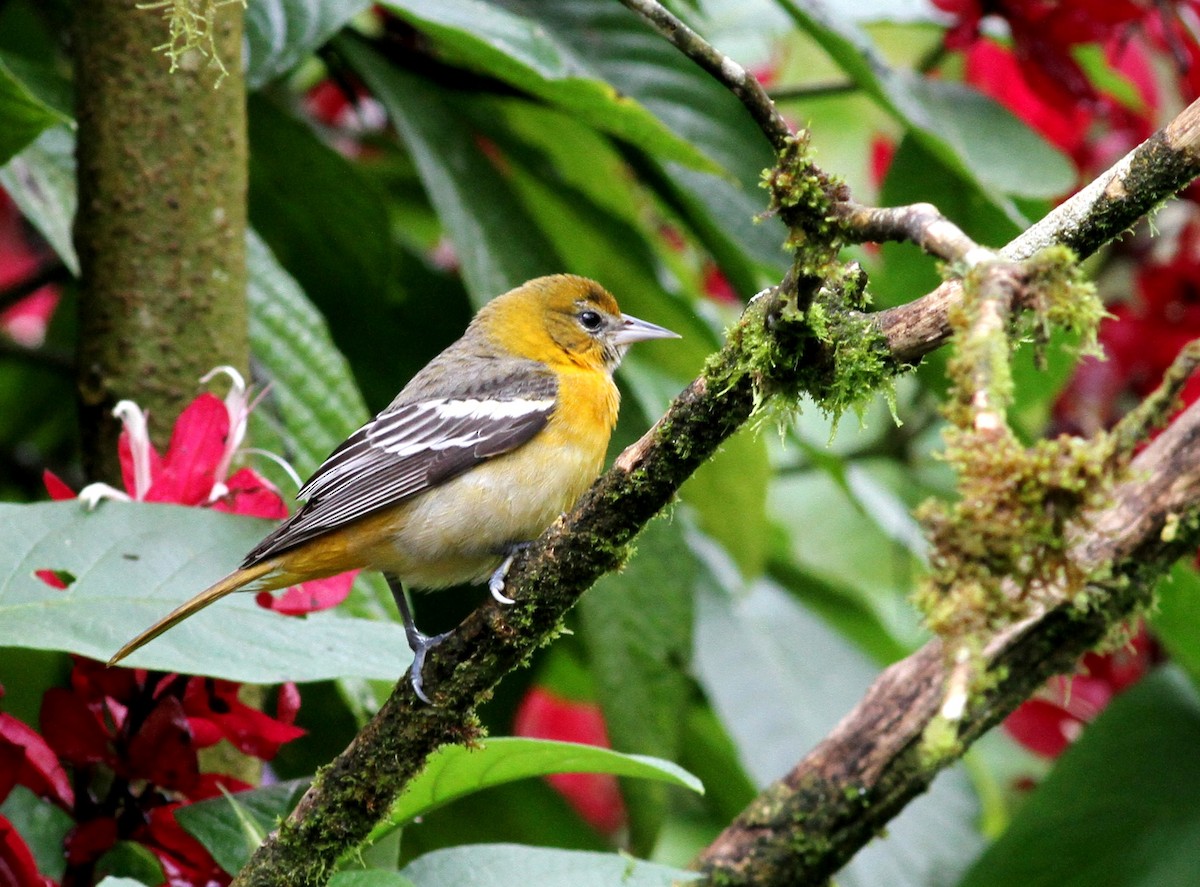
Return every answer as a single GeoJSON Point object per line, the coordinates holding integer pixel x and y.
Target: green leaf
{"type": "Point", "coordinates": [42, 825]}
{"type": "Point", "coordinates": [369, 878]}
{"type": "Point", "coordinates": [24, 113]}
{"type": "Point", "coordinates": [454, 771]}
{"type": "Point", "coordinates": [1121, 808]}
{"type": "Point", "coordinates": [527, 52]}
{"type": "Point", "coordinates": [130, 859]}
{"type": "Point", "coordinates": [497, 243]}
{"type": "Point", "coordinates": [232, 827]}
{"type": "Point", "coordinates": [281, 33]}
{"type": "Point", "coordinates": [830, 549]}
{"type": "Point", "coordinates": [967, 130]}
{"type": "Point", "coordinates": [507, 865]}
{"type": "Point", "coordinates": [760, 644]}
{"type": "Point", "coordinates": [135, 562]}
{"type": "Point", "coordinates": [637, 628]}
{"type": "Point", "coordinates": [1176, 619]}
{"type": "Point", "coordinates": [41, 182]}
{"type": "Point", "coordinates": [313, 400]}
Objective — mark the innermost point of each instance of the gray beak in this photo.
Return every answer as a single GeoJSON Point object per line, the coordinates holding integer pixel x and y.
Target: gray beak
{"type": "Point", "coordinates": [633, 330]}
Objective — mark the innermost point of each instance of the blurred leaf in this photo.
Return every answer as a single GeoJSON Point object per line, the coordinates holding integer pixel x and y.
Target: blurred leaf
{"type": "Point", "coordinates": [24, 113]}
{"type": "Point", "coordinates": [522, 47]}
{"type": "Point", "coordinates": [41, 182]}
{"type": "Point", "coordinates": [498, 246]}
{"type": "Point", "coordinates": [762, 645]}
{"type": "Point", "coordinates": [312, 397]}
{"type": "Point", "coordinates": [130, 859]}
{"type": "Point", "coordinates": [134, 562]}
{"type": "Point", "coordinates": [369, 878]}
{"type": "Point", "coordinates": [281, 33]}
{"type": "Point", "coordinates": [230, 827]}
{"type": "Point", "coordinates": [965, 129]}
{"type": "Point", "coordinates": [501, 865]}
{"type": "Point", "coordinates": [524, 812]}
{"type": "Point", "coordinates": [42, 825]}
{"type": "Point", "coordinates": [830, 549]}
{"type": "Point", "coordinates": [640, 64]}
{"type": "Point", "coordinates": [1121, 808]}
{"type": "Point", "coordinates": [455, 770]}
{"type": "Point", "coordinates": [637, 628]}
{"type": "Point", "coordinates": [332, 234]}
{"type": "Point", "coordinates": [1176, 620]}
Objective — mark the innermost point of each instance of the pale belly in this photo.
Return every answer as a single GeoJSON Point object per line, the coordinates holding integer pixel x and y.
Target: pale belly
{"type": "Point", "coordinates": [459, 532]}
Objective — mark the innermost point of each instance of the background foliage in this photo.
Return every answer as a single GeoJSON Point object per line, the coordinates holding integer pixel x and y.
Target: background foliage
{"type": "Point", "coordinates": [410, 160]}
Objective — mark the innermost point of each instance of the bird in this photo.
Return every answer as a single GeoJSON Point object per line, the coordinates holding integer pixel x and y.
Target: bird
{"type": "Point", "coordinates": [479, 453]}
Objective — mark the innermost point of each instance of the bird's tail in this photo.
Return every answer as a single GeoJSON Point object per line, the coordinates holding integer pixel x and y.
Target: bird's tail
{"type": "Point", "coordinates": [231, 583]}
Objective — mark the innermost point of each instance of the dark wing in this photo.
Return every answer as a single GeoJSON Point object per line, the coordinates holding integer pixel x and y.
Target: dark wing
{"type": "Point", "coordinates": [405, 450]}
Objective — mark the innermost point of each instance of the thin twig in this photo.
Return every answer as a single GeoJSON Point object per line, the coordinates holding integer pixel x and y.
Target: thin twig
{"type": "Point", "coordinates": [737, 79]}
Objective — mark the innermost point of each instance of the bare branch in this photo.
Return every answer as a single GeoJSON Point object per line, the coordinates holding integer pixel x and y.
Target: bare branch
{"type": "Point", "coordinates": [727, 72]}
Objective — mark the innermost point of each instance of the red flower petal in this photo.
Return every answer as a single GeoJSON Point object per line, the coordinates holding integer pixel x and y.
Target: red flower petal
{"type": "Point", "coordinates": [17, 865]}
{"type": "Point", "coordinates": [249, 730]}
{"type": "Point", "coordinates": [1043, 727]}
{"type": "Point", "coordinates": [184, 860]}
{"type": "Point", "coordinates": [72, 729]}
{"type": "Point", "coordinates": [56, 487]}
{"type": "Point", "coordinates": [162, 750]}
{"type": "Point", "coordinates": [40, 771]}
{"type": "Point", "coordinates": [189, 469]}
{"type": "Point", "coordinates": [251, 493]}
{"type": "Point", "coordinates": [319, 594]}
{"type": "Point", "coordinates": [596, 797]}
{"type": "Point", "coordinates": [88, 841]}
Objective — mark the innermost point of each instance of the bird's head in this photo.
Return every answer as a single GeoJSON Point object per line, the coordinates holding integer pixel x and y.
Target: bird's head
{"type": "Point", "coordinates": [566, 319]}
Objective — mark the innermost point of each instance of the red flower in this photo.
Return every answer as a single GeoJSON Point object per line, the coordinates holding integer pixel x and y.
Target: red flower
{"type": "Point", "coordinates": [596, 797]}
{"type": "Point", "coordinates": [17, 866]}
{"type": "Point", "coordinates": [215, 712]}
{"type": "Point", "coordinates": [196, 471]}
{"type": "Point", "coordinates": [26, 759]}
{"type": "Point", "coordinates": [1055, 718]}
{"type": "Point", "coordinates": [26, 321]}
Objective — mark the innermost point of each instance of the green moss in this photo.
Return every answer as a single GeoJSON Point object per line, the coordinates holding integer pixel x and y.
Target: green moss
{"type": "Point", "coordinates": [939, 743]}
{"type": "Point", "coordinates": [1001, 549]}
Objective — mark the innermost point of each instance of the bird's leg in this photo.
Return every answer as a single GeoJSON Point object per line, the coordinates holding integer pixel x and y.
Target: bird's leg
{"type": "Point", "coordinates": [419, 643]}
{"type": "Point", "coordinates": [496, 583]}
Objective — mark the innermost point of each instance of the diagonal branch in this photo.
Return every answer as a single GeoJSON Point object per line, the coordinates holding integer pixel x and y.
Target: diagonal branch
{"type": "Point", "coordinates": [876, 760]}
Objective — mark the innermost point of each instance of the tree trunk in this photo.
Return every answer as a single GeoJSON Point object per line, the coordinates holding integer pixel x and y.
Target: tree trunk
{"type": "Point", "coordinates": [162, 216]}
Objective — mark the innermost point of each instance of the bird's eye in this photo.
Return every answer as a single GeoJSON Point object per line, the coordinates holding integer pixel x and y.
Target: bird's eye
{"type": "Point", "coordinates": [591, 320]}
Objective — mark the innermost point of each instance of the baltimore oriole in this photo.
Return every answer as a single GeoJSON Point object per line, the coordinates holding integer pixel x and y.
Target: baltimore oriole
{"type": "Point", "coordinates": [481, 451]}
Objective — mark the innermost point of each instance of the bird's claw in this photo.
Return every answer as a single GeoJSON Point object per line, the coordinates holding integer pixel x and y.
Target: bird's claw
{"type": "Point", "coordinates": [421, 644]}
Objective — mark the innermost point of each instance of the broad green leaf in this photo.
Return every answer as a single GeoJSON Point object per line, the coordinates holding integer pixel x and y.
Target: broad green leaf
{"type": "Point", "coordinates": [313, 398]}
{"type": "Point", "coordinates": [521, 50]}
{"type": "Point", "coordinates": [231, 827]}
{"type": "Point", "coordinates": [1121, 808]}
{"type": "Point", "coordinates": [455, 770]}
{"type": "Point", "coordinates": [827, 531]}
{"type": "Point", "coordinates": [498, 245]}
{"type": "Point", "coordinates": [131, 859]}
{"type": "Point", "coordinates": [640, 64]}
{"type": "Point", "coordinates": [43, 826]}
{"type": "Point", "coordinates": [282, 33]}
{"type": "Point", "coordinates": [369, 878]}
{"type": "Point", "coordinates": [41, 182]}
{"type": "Point", "coordinates": [133, 562]}
{"type": "Point", "coordinates": [1176, 619]}
{"type": "Point", "coordinates": [508, 865]}
{"type": "Point", "coordinates": [964, 128]}
{"type": "Point", "coordinates": [333, 234]}
{"type": "Point", "coordinates": [24, 113]}
{"type": "Point", "coordinates": [760, 644]}
{"type": "Point", "coordinates": [637, 629]}
{"type": "Point", "coordinates": [111, 881]}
